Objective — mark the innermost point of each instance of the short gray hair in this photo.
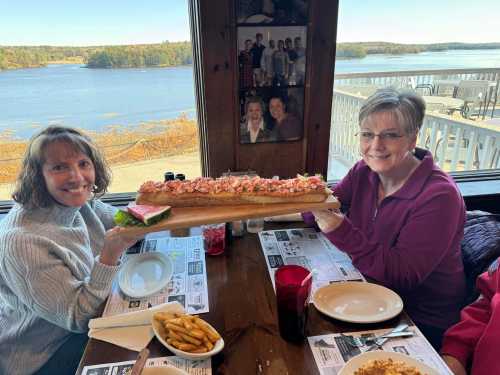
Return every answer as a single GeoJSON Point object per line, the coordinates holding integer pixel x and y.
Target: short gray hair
{"type": "Point", "coordinates": [407, 107]}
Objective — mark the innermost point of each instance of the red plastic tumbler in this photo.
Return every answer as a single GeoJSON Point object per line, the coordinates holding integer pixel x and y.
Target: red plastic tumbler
{"type": "Point", "coordinates": [214, 237]}
{"type": "Point", "coordinates": [293, 287]}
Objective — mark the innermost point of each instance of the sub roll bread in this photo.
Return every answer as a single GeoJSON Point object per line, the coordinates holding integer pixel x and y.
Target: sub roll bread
{"type": "Point", "coordinates": [232, 190]}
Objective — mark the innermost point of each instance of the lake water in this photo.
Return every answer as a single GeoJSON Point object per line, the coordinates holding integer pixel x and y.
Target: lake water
{"type": "Point", "coordinates": [455, 59]}
{"type": "Point", "coordinates": [95, 98]}
{"type": "Point", "coordinates": [92, 98]}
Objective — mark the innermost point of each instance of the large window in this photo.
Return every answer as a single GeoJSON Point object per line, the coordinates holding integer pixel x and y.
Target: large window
{"type": "Point", "coordinates": [437, 49]}
{"type": "Point", "coordinates": [120, 72]}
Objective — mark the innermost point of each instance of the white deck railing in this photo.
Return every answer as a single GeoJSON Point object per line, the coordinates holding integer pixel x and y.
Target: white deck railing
{"type": "Point", "coordinates": [457, 145]}
{"type": "Point", "coordinates": [419, 77]}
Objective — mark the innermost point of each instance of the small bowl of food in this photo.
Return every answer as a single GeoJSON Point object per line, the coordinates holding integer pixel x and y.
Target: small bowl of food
{"type": "Point", "coordinates": [187, 336]}
{"type": "Point", "coordinates": [381, 362]}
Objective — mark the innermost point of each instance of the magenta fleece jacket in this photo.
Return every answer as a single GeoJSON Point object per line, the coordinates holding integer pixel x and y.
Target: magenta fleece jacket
{"type": "Point", "coordinates": [476, 340]}
{"type": "Point", "coordinates": [410, 243]}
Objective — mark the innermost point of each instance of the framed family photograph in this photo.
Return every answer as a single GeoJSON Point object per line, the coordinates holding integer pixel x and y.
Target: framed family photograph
{"type": "Point", "coordinates": [272, 61]}
{"type": "Point", "coordinates": [271, 115]}
{"type": "Point", "coordinates": [271, 56]}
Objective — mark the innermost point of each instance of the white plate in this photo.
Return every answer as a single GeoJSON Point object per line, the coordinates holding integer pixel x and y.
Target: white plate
{"type": "Point", "coordinates": [360, 360]}
{"type": "Point", "coordinates": [160, 333]}
{"type": "Point", "coordinates": [145, 274]}
{"type": "Point", "coordinates": [357, 302]}
{"type": "Point", "coordinates": [169, 370]}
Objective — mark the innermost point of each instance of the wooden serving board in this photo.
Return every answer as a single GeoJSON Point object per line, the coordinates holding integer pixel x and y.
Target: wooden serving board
{"type": "Point", "coordinates": [185, 217]}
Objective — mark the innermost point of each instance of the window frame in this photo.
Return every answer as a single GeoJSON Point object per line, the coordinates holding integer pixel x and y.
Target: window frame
{"type": "Point", "coordinates": [215, 76]}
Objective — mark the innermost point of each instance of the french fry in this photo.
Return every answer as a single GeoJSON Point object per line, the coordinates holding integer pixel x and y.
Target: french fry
{"type": "Point", "coordinates": [172, 334]}
{"type": "Point", "coordinates": [186, 322]}
{"type": "Point", "coordinates": [162, 316]}
{"type": "Point", "coordinates": [187, 347]}
{"type": "Point", "coordinates": [208, 343]}
{"type": "Point", "coordinates": [212, 334]}
{"type": "Point", "coordinates": [182, 345]}
{"type": "Point", "coordinates": [197, 333]}
{"type": "Point", "coordinates": [175, 327]}
{"type": "Point", "coordinates": [191, 339]}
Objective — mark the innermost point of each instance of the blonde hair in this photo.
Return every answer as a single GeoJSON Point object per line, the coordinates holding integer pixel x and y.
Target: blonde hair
{"type": "Point", "coordinates": [31, 190]}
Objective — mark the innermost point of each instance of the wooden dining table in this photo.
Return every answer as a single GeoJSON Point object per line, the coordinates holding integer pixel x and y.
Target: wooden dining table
{"type": "Point", "coordinates": [243, 309]}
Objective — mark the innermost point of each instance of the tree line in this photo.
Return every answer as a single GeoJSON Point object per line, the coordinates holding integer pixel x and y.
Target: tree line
{"type": "Point", "coordinates": [128, 56]}
{"type": "Point", "coordinates": [156, 55]}
{"type": "Point", "coordinates": [180, 53]}
{"type": "Point", "coordinates": [361, 49]}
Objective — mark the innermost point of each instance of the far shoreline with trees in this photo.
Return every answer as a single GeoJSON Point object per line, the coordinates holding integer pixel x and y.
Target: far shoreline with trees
{"type": "Point", "coordinates": [159, 55]}
{"type": "Point", "coordinates": [170, 54]}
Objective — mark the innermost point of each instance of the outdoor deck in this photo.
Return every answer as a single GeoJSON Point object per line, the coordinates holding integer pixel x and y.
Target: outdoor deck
{"type": "Point", "coordinates": [457, 143]}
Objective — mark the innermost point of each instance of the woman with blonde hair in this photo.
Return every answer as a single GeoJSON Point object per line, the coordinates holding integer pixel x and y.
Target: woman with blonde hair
{"type": "Point", "coordinates": [253, 129]}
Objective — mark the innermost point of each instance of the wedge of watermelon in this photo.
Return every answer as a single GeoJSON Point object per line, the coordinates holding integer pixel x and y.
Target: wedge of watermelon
{"type": "Point", "coordinates": [148, 214]}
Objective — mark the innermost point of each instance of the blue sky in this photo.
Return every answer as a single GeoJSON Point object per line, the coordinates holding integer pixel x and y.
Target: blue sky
{"type": "Point", "coordinates": [422, 21]}
{"type": "Point", "coordinates": [98, 22]}
{"type": "Point", "coordinates": [92, 22]}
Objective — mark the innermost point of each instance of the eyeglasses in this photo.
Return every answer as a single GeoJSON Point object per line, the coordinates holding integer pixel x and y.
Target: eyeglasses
{"type": "Point", "coordinates": [368, 137]}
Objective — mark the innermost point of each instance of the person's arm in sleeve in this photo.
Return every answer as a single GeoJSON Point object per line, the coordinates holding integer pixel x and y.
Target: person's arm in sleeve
{"type": "Point", "coordinates": [43, 282]}
{"type": "Point", "coordinates": [413, 257]}
{"type": "Point", "coordinates": [460, 340]}
{"type": "Point", "coordinates": [342, 191]}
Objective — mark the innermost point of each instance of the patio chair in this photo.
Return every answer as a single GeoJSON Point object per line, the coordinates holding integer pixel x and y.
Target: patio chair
{"type": "Point", "coordinates": [492, 99]}
{"type": "Point", "coordinates": [445, 87]}
{"type": "Point", "coordinates": [419, 88]}
{"type": "Point", "coordinates": [474, 93]}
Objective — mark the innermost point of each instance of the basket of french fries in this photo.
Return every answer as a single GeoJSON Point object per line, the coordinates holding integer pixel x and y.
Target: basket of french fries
{"type": "Point", "coordinates": [187, 336]}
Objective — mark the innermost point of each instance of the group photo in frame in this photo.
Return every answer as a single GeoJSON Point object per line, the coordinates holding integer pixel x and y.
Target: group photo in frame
{"type": "Point", "coordinates": [271, 114]}
{"type": "Point", "coordinates": [271, 56]}
{"type": "Point", "coordinates": [271, 77]}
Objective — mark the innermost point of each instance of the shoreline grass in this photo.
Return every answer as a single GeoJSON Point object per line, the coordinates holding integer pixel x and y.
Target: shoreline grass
{"type": "Point", "coordinates": [121, 145]}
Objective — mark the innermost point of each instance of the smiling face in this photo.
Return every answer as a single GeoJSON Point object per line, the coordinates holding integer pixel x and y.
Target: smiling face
{"type": "Point", "coordinates": [277, 109]}
{"type": "Point", "coordinates": [254, 113]}
{"type": "Point", "coordinates": [386, 156]}
{"type": "Point", "coordinates": [68, 173]}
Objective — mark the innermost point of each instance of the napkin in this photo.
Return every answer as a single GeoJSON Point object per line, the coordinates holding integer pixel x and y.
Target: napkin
{"type": "Point", "coordinates": [284, 218]}
{"type": "Point", "coordinates": [130, 330]}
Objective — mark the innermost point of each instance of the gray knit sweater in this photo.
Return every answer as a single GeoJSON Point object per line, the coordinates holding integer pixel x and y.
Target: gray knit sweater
{"type": "Point", "coordinates": [51, 281]}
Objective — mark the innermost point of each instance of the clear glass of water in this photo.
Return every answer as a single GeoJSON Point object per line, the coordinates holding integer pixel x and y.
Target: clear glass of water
{"type": "Point", "coordinates": [255, 225]}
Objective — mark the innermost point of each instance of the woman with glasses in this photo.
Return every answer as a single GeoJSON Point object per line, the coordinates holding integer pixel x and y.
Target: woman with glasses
{"type": "Point", "coordinates": [59, 253]}
{"type": "Point", "coordinates": [403, 217]}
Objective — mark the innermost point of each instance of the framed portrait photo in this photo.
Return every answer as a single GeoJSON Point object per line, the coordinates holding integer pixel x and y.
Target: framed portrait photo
{"type": "Point", "coordinates": [271, 114]}
{"type": "Point", "coordinates": [272, 74]}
